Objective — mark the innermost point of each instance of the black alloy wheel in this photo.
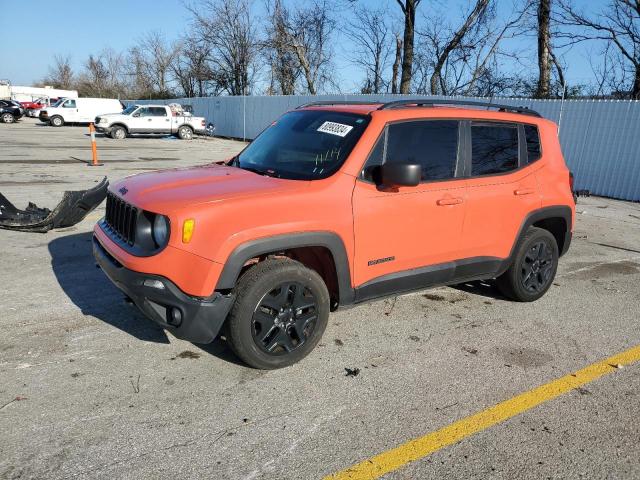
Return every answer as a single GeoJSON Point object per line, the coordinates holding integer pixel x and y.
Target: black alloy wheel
{"type": "Point", "coordinates": [537, 267]}
{"type": "Point", "coordinates": [533, 267]}
{"type": "Point", "coordinates": [280, 312]}
{"type": "Point", "coordinates": [284, 318]}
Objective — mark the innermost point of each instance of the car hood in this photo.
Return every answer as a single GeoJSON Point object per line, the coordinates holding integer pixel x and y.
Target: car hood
{"type": "Point", "coordinates": [168, 191]}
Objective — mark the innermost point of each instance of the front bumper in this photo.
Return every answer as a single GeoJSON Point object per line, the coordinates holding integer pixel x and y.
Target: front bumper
{"type": "Point", "coordinates": [200, 318]}
{"type": "Point", "coordinates": [103, 129]}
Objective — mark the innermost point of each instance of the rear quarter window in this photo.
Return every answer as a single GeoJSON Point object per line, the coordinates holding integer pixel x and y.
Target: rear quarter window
{"type": "Point", "coordinates": [494, 148]}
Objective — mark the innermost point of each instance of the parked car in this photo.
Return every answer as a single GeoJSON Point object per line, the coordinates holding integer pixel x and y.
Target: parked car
{"type": "Point", "coordinates": [335, 205]}
{"type": "Point", "coordinates": [150, 119]}
{"type": "Point", "coordinates": [10, 111]}
{"type": "Point", "coordinates": [79, 110]}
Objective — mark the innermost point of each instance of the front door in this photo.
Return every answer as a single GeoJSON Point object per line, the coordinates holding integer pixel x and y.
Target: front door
{"type": "Point", "coordinates": [409, 237]}
{"type": "Point", "coordinates": [70, 111]}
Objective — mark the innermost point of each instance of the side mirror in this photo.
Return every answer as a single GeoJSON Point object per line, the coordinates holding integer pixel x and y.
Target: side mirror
{"type": "Point", "coordinates": [135, 114]}
{"type": "Point", "coordinates": [400, 174]}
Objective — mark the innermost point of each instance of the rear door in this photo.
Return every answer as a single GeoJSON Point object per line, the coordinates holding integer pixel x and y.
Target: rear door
{"type": "Point", "coordinates": [502, 188]}
{"type": "Point", "coordinates": [158, 121]}
{"type": "Point", "coordinates": [409, 228]}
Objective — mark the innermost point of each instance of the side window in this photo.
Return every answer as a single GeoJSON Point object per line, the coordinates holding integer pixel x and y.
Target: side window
{"type": "Point", "coordinates": [158, 112]}
{"type": "Point", "coordinates": [534, 152]}
{"type": "Point", "coordinates": [494, 148]}
{"type": "Point", "coordinates": [69, 104]}
{"type": "Point", "coordinates": [433, 144]}
{"type": "Point", "coordinates": [143, 112]}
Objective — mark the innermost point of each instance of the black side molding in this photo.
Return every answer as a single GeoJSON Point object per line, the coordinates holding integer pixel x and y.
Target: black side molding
{"type": "Point", "coordinates": [448, 273]}
{"type": "Point", "coordinates": [255, 248]}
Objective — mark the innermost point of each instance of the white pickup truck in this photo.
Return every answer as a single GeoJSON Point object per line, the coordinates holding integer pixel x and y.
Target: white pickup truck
{"type": "Point", "coordinates": [150, 119]}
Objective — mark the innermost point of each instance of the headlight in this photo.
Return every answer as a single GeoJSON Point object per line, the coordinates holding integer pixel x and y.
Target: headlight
{"type": "Point", "coordinates": [160, 230]}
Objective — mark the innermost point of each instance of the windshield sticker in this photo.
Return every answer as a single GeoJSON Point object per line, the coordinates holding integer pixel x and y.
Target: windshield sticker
{"type": "Point", "coordinates": [333, 128]}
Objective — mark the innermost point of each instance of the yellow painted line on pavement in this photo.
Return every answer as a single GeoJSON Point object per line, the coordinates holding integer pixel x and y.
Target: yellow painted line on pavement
{"type": "Point", "coordinates": [421, 447]}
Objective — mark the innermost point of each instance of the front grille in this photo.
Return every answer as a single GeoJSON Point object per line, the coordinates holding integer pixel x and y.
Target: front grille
{"type": "Point", "coordinates": [121, 218]}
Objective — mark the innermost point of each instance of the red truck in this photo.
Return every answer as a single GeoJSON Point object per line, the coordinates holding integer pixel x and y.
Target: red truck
{"type": "Point", "coordinates": [32, 108]}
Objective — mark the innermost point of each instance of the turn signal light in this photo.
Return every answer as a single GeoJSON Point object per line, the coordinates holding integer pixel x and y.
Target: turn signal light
{"type": "Point", "coordinates": [187, 230]}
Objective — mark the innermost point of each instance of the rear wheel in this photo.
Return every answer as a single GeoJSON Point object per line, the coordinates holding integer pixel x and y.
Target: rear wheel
{"type": "Point", "coordinates": [279, 315]}
{"type": "Point", "coordinates": [533, 269]}
{"type": "Point", "coordinates": [118, 133]}
{"type": "Point", "coordinates": [8, 118]}
{"type": "Point", "coordinates": [185, 133]}
{"type": "Point", "coordinates": [56, 121]}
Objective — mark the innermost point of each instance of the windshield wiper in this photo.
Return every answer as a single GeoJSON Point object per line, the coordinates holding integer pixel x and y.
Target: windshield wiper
{"type": "Point", "coordinates": [265, 173]}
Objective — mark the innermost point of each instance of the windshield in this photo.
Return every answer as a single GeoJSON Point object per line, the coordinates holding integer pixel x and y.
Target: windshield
{"type": "Point", "coordinates": [304, 144]}
{"type": "Point", "coordinates": [130, 110]}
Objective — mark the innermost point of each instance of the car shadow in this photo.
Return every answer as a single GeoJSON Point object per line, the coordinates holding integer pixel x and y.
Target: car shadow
{"type": "Point", "coordinates": [90, 289]}
{"type": "Point", "coordinates": [484, 288]}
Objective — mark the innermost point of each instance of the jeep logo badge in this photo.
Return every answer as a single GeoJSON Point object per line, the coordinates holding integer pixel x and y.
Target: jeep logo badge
{"type": "Point", "coordinates": [123, 190]}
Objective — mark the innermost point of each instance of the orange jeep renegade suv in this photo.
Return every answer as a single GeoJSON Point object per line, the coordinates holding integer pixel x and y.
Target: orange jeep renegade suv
{"type": "Point", "coordinates": [336, 204]}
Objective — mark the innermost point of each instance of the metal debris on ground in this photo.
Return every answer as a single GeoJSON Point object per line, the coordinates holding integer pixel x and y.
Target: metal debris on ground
{"type": "Point", "coordinates": [73, 208]}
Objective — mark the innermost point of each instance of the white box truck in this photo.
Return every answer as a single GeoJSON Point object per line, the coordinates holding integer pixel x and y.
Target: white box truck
{"type": "Point", "coordinates": [79, 110]}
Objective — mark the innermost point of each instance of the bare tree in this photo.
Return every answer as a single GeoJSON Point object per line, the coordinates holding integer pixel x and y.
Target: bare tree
{"type": "Point", "coordinates": [228, 28]}
{"type": "Point", "coordinates": [283, 62]}
{"type": "Point", "coordinates": [454, 42]}
{"type": "Point", "coordinates": [369, 34]}
{"type": "Point", "coordinates": [157, 57]}
{"type": "Point", "coordinates": [191, 70]}
{"type": "Point", "coordinates": [308, 35]}
{"type": "Point", "coordinates": [396, 65]}
{"type": "Point", "coordinates": [544, 48]}
{"type": "Point", "coordinates": [60, 74]}
{"type": "Point", "coordinates": [408, 8]}
{"type": "Point", "coordinates": [619, 24]}
{"type": "Point", "coordinates": [94, 80]}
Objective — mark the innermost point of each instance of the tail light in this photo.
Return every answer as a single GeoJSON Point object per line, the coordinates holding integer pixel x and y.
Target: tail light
{"type": "Point", "coordinates": [203, 122]}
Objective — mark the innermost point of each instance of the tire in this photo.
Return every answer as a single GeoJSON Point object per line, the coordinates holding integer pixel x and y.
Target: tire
{"type": "Point", "coordinates": [272, 306]}
{"type": "Point", "coordinates": [56, 121]}
{"type": "Point", "coordinates": [8, 118]}
{"type": "Point", "coordinates": [185, 133]}
{"type": "Point", "coordinates": [533, 269]}
{"type": "Point", "coordinates": [118, 133]}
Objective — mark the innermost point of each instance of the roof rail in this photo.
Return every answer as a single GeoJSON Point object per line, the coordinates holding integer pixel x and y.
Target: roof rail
{"type": "Point", "coordinates": [339, 102]}
{"type": "Point", "coordinates": [421, 102]}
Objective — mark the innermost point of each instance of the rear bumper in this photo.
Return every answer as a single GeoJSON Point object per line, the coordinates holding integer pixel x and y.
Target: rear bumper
{"type": "Point", "coordinates": [198, 320]}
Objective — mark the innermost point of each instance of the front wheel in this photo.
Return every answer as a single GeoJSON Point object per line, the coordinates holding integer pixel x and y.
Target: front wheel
{"type": "Point", "coordinates": [533, 269]}
{"type": "Point", "coordinates": [56, 121]}
{"type": "Point", "coordinates": [8, 118]}
{"type": "Point", "coordinates": [279, 315]}
{"type": "Point", "coordinates": [118, 133]}
{"type": "Point", "coordinates": [185, 133]}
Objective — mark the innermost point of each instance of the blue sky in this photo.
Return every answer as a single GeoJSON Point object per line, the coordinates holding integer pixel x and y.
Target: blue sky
{"type": "Point", "coordinates": [78, 28]}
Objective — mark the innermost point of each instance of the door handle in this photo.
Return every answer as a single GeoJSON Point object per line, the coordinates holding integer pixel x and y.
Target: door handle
{"type": "Point", "coordinates": [449, 201]}
{"type": "Point", "coordinates": [149, 120]}
{"type": "Point", "coordinates": [524, 191]}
